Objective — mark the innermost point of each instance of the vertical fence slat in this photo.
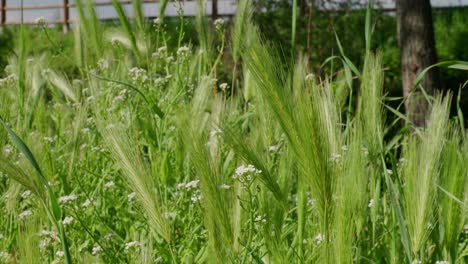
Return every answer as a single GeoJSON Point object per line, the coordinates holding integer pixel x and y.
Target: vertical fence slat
{"type": "Point", "coordinates": [66, 16]}
{"type": "Point", "coordinates": [3, 4]}
{"type": "Point", "coordinates": [214, 9]}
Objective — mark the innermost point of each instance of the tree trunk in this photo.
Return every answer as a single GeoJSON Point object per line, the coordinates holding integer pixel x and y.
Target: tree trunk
{"type": "Point", "coordinates": [417, 52]}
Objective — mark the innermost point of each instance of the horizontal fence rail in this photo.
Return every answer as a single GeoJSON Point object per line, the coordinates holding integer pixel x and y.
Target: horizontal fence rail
{"type": "Point", "coordinates": [64, 12]}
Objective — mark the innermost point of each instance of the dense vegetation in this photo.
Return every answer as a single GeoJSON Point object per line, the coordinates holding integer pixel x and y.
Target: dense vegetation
{"type": "Point", "coordinates": [149, 148]}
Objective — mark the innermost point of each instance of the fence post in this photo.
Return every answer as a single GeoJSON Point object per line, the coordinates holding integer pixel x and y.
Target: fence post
{"type": "Point", "coordinates": [214, 9]}
{"type": "Point", "coordinates": [3, 4]}
{"type": "Point", "coordinates": [66, 16]}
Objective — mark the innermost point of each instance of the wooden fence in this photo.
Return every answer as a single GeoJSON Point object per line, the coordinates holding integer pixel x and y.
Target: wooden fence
{"type": "Point", "coordinates": [228, 8]}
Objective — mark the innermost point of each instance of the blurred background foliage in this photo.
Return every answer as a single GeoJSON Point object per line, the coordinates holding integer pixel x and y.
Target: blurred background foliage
{"type": "Point", "coordinates": [274, 20]}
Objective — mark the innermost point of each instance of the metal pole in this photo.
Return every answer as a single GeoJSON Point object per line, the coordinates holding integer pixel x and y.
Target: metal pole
{"type": "Point", "coordinates": [66, 16]}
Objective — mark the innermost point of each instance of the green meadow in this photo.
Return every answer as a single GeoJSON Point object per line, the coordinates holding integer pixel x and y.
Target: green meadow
{"type": "Point", "coordinates": [150, 147]}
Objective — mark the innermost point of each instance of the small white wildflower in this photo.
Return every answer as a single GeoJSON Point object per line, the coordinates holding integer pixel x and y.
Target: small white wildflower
{"type": "Point", "coordinates": [246, 174]}
{"type": "Point", "coordinates": [192, 185]}
{"type": "Point", "coordinates": [138, 74]}
{"type": "Point", "coordinates": [442, 262]}
{"type": "Point", "coordinates": [67, 220]}
{"type": "Point", "coordinates": [371, 202]}
{"type": "Point", "coordinates": [131, 196]}
{"type": "Point", "coordinates": [215, 132]}
{"type": "Point", "coordinates": [416, 261]}
{"type": "Point", "coordinates": [180, 185]}
{"type": "Point", "coordinates": [318, 238]}
{"type": "Point", "coordinates": [158, 260]}
{"type": "Point", "coordinates": [40, 21]}
{"type": "Point", "coordinates": [196, 198]}
{"type": "Point", "coordinates": [169, 59]}
{"type": "Point", "coordinates": [26, 194]}
{"type": "Point", "coordinates": [389, 171]}
{"type": "Point", "coordinates": [60, 253]}
{"type": "Point", "coordinates": [96, 250]}
{"type": "Point", "coordinates": [1, 236]}
{"type": "Point", "coordinates": [87, 203]}
{"type": "Point", "coordinates": [5, 257]}
{"type": "Point", "coordinates": [47, 233]}
{"type": "Point", "coordinates": [225, 186]}
{"type": "Point", "coordinates": [224, 87]}
{"type": "Point", "coordinates": [90, 99]}
{"type": "Point", "coordinates": [7, 150]}
{"type": "Point", "coordinates": [132, 244]}
{"type": "Point", "coordinates": [157, 21]}
{"type": "Point", "coordinates": [309, 77]}
{"type": "Point", "coordinates": [162, 49]}
{"type": "Point", "coordinates": [182, 51]}
{"type": "Point", "coordinates": [50, 139]}
{"type": "Point", "coordinates": [109, 185]}
{"type": "Point", "coordinates": [260, 218]}
{"type": "Point", "coordinates": [44, 243]}
{"type": "Point", "coordinates": [344, 148]}
{"type": "Point", "coordinates": [103, 64]}
{"type": "Point", "coordinates": [85, 130]}
{"type": "Point", "coordinates": [335, 157]}
{"type": "Point", "coordinates": [169, 215]}
{"type": "Point", "coordinates": [25, 214]}
{"type": "Point", "coordinates": [274, 148]}
{"type": "Point", "coordinates": [108, 237]}
{"type": "Point", "coordinates": [67, 198]}
{"type": "Point", "coordinates": [465, 227]}
{"type": "Point", "coordinates": [219, 23]}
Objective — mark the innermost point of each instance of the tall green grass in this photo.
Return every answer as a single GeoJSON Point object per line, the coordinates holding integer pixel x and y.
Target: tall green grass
{"type": "Point", "coordinates": [215, 151]}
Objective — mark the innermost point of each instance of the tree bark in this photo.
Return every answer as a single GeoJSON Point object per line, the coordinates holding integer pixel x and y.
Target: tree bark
{"type": "Point", "coordinates": [417, 52]}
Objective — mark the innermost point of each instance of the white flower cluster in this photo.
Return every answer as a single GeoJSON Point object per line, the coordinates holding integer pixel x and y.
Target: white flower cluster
{"type": "Point", "coordinates": [442, 262]}
{"type": "Point", "coordinates": [67, 199]}
{"type": "Point", "coordinates": [26, 194]}
{"type": "Point", "coordinates": [87, 203]}
{"type": "Point", "coordinates": [183, 51]}
{"type": "Point", "coordinates": [224, 87]}
{"type": "Point", "coordinates": [335, 157]}
{"type": "Point", "coordinates": [219, 23]}
{"type": "Point", "coordinates": [132, 244]}
{"type": "Point", "coordinates": [189, 185]}
{"type": "Point", "coordinates": [67, 220]}
{"type": "Point", "coordinates": [246, 174]}
{"type": "Point", "coordinates": [5, 257]}
{"type": "Point", "coordinates": [26, 213]}
{"type": "Point", "coordinates": [9, 79]}
{"type": "Point", "coordinates": [40, 21]}
{"type": "Point", "coordinates": [47, 237]}
{"type": "Point", "coordinates": [131, 196]}
{"type": "Point", "coordinates": [103, 64]}
{"type": "Point", "coordinates": [96, 250]}
{"type": "Point", "coordinates": [138, 74]}
{"type": "Point", "coordinates": [319, 238]}
{"type": "Point", "coordinates": [161, 53]}
{"type": "Point", "coordinates": [7, 150]}
{"type": "Point", "coordinates": [109, 185]}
